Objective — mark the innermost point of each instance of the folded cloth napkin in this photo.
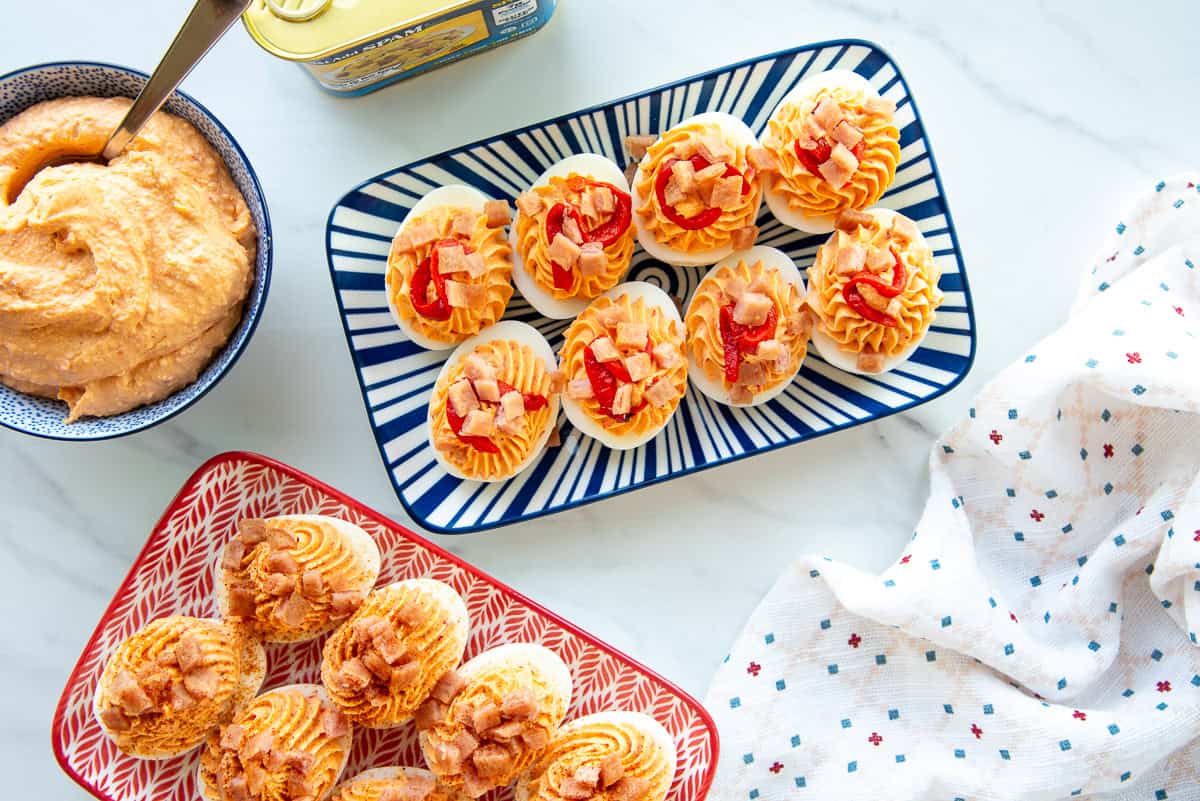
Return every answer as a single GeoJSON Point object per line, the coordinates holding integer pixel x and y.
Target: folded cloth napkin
{"type": "Point", "coordinates": [1032, 640]}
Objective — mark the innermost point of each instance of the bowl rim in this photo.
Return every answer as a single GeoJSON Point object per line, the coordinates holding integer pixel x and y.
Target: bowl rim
{"type": "Point", "coordinates": [265, 236]}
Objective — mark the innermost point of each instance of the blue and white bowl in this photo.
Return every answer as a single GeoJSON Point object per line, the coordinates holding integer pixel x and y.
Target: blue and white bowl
{"type": "Point", "coordinates": [26, 87]}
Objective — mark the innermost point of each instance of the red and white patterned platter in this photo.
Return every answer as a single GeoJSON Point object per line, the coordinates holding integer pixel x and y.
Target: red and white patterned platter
{"type": "Point", "coordinates": [174, 575]}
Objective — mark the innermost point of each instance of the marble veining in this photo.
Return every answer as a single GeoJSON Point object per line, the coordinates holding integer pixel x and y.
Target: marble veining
{"type": "Point", "coordinates": [1088, 100]}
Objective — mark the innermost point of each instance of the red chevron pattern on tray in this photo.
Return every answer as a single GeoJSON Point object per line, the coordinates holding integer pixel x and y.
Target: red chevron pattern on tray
{"type": "Point", "coordinates": [174, 575]}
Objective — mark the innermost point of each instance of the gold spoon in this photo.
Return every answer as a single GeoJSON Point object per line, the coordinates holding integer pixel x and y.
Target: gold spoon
{"type": "Point", "coordinates": [205, 25]}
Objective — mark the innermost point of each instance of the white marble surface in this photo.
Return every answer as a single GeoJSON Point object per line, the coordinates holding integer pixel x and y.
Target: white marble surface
{"type": "Point", "coordinates": [1044, 117]}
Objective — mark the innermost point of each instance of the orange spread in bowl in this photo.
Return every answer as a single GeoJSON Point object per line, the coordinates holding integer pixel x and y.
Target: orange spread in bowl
{"type": "Point", "coordinates": [478, 287]}
{"type": "Point", "coordinates": [798, 141]}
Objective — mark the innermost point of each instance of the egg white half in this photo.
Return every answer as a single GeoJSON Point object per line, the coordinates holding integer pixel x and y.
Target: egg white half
{"type": "Point", "coordinates": [801, 93]}
{"type": "Point", "coordinates": [504, 330]}
{"type": "Point", "coordinates": [457, 196]}
{"type": "Point", "coordinates": [827, 346]}
{"type": "Point", "coordinates": [589, 164]}
{"type": "Point", "coordinates": [653, 296]}
{"type": "Point", "coordinates": [734, 129]}
{"type": "Point", "coordinates": [771, 259]}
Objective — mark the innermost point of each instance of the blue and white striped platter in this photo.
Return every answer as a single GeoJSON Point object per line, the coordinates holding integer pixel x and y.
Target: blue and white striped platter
{"type": "Point", "coordinates": [396, 375]}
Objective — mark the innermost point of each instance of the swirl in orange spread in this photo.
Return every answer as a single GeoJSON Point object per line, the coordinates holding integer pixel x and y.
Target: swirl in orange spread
{"type": "Point", "coordinates": [372, 788]}
{"type": "Point", "coordinates": [493, 685]}
{"type": "Point", "coordinates": [463, 322]}
{"type": "Point", "coordinates": [811, 194]}
{"type": "Point", "coordinates": [704, 315]}
{"type": "Point", "coordinates": [515, 364]}
{"type": "Point", "coordinates": [176, 725]}
{"type": "Point", "coordinates": [320, 547]}
{"type": "Point", "coordinates": [590, 325]}
{"type": "Point", "coordinates": [293, 717]}
{"type": "Point", "coordinates": [680, 143]}
{"type": "Point", "coordinates": [918, 300]}
{"type": "Point", "coordinates": [436, 643]}
{"type": "Point", "coordinates": [532, 244]}
{"type": "Point", "coordinates": [590, 742]}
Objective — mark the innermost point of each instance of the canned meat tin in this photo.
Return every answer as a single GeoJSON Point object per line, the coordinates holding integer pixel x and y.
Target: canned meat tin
{"type": "Point", "coordinates": [356, 46]}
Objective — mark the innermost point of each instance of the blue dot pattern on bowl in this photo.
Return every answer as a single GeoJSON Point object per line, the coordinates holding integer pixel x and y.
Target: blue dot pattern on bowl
{"type": "Point", "coordinates": [20, 90]}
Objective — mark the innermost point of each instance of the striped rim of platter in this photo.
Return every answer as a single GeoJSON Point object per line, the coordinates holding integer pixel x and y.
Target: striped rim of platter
{"type": "Point", "coordinates": [396, 376]}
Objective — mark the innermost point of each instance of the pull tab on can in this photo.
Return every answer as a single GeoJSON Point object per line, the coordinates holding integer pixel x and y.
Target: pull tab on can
{"type": "Point", "coordinates": [297, 10]}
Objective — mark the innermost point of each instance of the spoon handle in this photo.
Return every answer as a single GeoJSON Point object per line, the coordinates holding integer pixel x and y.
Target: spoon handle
{"type": "Point", "coordinates": [207, 23]}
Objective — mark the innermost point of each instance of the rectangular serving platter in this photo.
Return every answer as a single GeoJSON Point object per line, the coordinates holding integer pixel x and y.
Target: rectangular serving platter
{"type": "Point", "coordinates": [396, 376]}
{"type": "Point", "coordinates": [174, 575]}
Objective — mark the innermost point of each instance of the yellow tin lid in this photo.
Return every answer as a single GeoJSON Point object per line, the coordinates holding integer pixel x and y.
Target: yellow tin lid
{"type": "Point", "coordinates": [305, 30]}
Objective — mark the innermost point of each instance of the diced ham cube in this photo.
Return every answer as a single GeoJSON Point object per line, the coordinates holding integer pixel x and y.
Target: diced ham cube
{"type": "Point", "coordinates": [604, 350]}
{"type": "Point", "coordinates": [484, 717]}
{"type": "Point", "coordinates": [378, 666]}
{"type": "Point", "coordinates": [580, 389]}
{"type": "Point", "coordinates": [231, 558]}
{"type": "Point", "coordinates": [612, 316]}
{"type": "Point", "coordinates": [113, 718]}
{"type": "Point", "coordinates": [623, 400]}
{"type": "Point", "coordinates": [893, 308]}
{"type": "Point", "coordinates": [762, 159]}
{"type": "Point", "coordinates": [558, 380]}
{"type": "Point", "coordinates": [880, 260]}
{"type": "Point", "coordinates": [343, 604]}
{"type": "Point", "coordinates": [800, 324]}
{"type": "Point", "coordinates": [847, 133]}
{"type": "Point", "coordinates": [905, 229]}
{"type": "Point", "coordinates": [282, 562]}
{"type": "Point", "coordinates": [279, 538]}
{"type": "Point", "coordinates": [443, 756]}
{"type": "Point", "coordinates": [571, 230]}
{"type": "Point", "coordinates": [156, 683]}
{"type": "Point", "coordinates": [734, 288]}
{"type": "Point", "coordinates": [297, 787]}
{"type": "Point", "coordinates": [603, 199]}
{"type": "Point", "coordinates": [573, 790]}
{"type": "Point", "coordinates": [312, 584]}
{"type": "Point", "coordinates": [740, 395]}
{"type": "Point", "coordinates": [278, 585]}
{"type": "Point", "coordinates": [402, 242]}
{"type": "Point", "coordinates": [476, 367]}
{"type": "Point", "coordinates": [292, 611]}
{"type": "Point", "coordinates": [512, 404]}
{"type": "Point", "coordinates": [255, 746]}
{"type": "Point", "coordinates": [710, 173]}
{"type": "Point", "coordinates": [486, 389]}
{"type": "Point", "coordinates": [507, 731]}
{"type": "Point", "coordinates": [639, 366]}
{"type": "Point", "coordinates": [520, 704]}
{"type": "Point", "coordinates": [449, 685]}
{"type": "Point", "coordinates": [252, 530]}
{"type": "Point", "coordinates": [611, 770]}
{"type": "Point", "coordinates": [850, 258]}
{"type": "Point", "coordinates": [828, 114]}
{"type": "Point", "coordinates": [132, 699]}
{"type": "Point", "coordinates": [675, 194]}
{"type": "Point", "coordinates": [834, 173]}
{"type": "Point", "coordinates": [751, 373]}
{"type": "Point", "coordinates": [462, 397]}
{"type": "Point", "coordinates": [770, 350]}
{"type": "Point", "coordinates": [666, 355]}
{"type": "Point", "coordinates": [238, 789]}
{"type": "Point", "coordinates": [403, 676]}
{"type": "Point", "coordinates": [629, 788]}
{"type": "Point", "coordinates": [752, 309]}
{"type": "Point", "coordinates": [683, 173]}
{"type": "Point", "coordinates": [465, 296]}
{"type": "Point", "coordinates": [870, 362]}
{"type": "Point", "coordinates": [466, 743]}
{"type": "Point", "coordinates": [451, 259]}
{"type": "Point", "coordinates": [529, 203]}
{"type": "Point", "coordinates": [873, 298]}
{"type": "Point", "coordinates": [851, 220]}
{"type": "Point", "coordinates": [563, 251]}
{"type": "Point", "coordinates": [463, 222]}
{"type": "Point", "coordinates": [334, 723]}
{"type": "Point", "coordinates": [202, 682]}
{"type": "Point", "coordinates": [474, 785]}
{"type": "Point", "coordinates": [587, 206]}
{"type": "Point", "coordinates": [410, 612]}
{"type": "Point", "coordinates": [535, 738]}
{"type": "Point", "coordinates": [353, 676]}
{"type": "Point", "coordinates": [479, 423]}
{"type": "Point", "coordinates": [475, 265]}
{"type": "Point", "coordinates": [588, 776]}
{"type": "Point", "coordinates": [242, 601]}
{"type": "Point", "coordinates": [880, 105]}
{"type": "Point", "coordinates": [632, 335]}
{"type": "Point", "coordinates": [232, 737]}
{"type": "Point", "coordinates": [593, 260]}
{"type": "Point", "coordinates": [726, 193]}
{"type": "Point", "coordinates": [429, 714]}
{"type": "Point", "coordinates": [188, 653]}
{"type": "Point", "coordinates": [181, 699]}
{"type": "Point", "coordinates": [497, 213]}
{"type": "Point", "coordinates": [421, 233]}
{"type": "Point", "coordinates": [714, 149]}
{"type": "Point", "coordinates": [638, 145]}
{"type": "Point", "coordinates": [256, 779]}
{"type": "Point", "coordinates": [555, 439]}
{"type": "Point", "coordinates": [492, 761]}
{"type": "Point", "coordinates": [743, 238]}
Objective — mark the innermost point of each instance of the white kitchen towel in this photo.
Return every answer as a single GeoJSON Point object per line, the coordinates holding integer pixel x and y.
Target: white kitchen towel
{"type": "Point", "coordinates": [1032, 640]}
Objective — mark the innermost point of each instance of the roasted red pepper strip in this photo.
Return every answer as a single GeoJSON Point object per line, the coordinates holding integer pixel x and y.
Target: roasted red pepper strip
{"type": "Point", "coordinates": [564, 279]}
{"type": "Point", "coordinates": [427, 270]}
{"type": "Point", "coordinates": [604, 383]}
{"type": "Point", "coordinates": [608, 232]}
{"type": "Point", "coordinates": [813, 159]}
{"type": "Point", "coordinates": [855, 300]}
{"type": "Point", "coordinates": [533, 402]}
{"type": "Point", "coordinates": [704, 218]}
{"type": "Point", "coordinates": [737, 339]}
